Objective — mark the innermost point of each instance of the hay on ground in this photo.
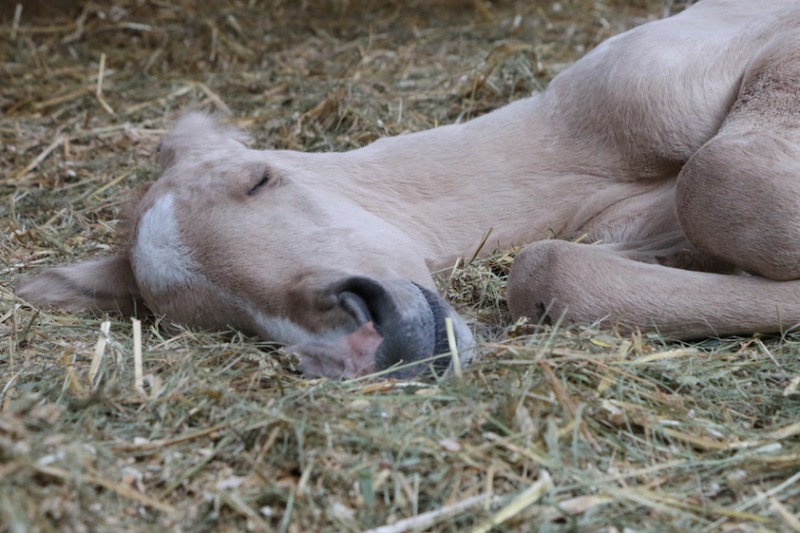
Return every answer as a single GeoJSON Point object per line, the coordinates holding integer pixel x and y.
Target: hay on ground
{"type": "Point", "coordinates": [555, 430]}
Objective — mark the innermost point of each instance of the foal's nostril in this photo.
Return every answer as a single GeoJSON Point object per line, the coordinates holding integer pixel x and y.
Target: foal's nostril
{"type": "Point", "coordinates": [365, 299]}
{"type": "Point", "coordinates": [356, 306]}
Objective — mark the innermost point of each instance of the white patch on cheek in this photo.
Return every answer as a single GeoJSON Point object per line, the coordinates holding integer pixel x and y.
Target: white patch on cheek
{"type": "Point", "coordinates": [160, 259]}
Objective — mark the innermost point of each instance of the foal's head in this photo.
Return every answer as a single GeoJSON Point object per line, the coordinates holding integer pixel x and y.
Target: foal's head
{"type": "Point", "coordinates": [261, 242]}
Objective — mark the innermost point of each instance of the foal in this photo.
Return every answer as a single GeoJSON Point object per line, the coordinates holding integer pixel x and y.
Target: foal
{"type": "Point", "coordinates": [672, 152]}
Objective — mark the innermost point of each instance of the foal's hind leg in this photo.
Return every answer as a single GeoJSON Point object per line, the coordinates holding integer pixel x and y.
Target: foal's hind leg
{"type": "Point", "coordinates": [738, 198]}
{"type": "Point", "coordinates": [738, 201]}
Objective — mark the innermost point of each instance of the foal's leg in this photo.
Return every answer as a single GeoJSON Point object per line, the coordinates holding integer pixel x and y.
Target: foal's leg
{"type": "Point", "coordinates": [738, 201]}
{"type": "Point", "coordinates": [738, 197]}
{"type": "Point", "coordinates": [585, 283]}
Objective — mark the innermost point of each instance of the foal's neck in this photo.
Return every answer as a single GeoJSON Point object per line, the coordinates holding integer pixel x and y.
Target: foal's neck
{"type": "Point", "coordinates": [509, 171]}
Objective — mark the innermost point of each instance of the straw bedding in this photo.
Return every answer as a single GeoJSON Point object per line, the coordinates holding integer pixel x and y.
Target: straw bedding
{"type": "Point", "coordinates": [556, 429]}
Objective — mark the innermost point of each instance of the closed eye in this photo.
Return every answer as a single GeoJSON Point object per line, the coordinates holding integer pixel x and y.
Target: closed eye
{"type": "Point", "coordinates": [263, 181]}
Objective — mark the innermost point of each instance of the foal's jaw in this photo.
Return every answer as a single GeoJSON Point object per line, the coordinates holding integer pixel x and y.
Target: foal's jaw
{"type": "Point", "coordinates": [351, 327]}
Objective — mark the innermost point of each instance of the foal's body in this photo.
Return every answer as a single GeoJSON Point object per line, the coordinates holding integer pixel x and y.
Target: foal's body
{"type": "Point", "coordinates": [676, 144]}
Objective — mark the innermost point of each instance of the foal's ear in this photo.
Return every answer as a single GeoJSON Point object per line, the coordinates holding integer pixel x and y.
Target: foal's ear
{"type": "Point", "coordinates": [197, 129]}
{"type": "Point", "coordinates": [101, 285]}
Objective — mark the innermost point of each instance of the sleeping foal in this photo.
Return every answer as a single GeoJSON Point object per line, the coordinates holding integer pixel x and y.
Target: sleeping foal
{"type": "Point", "coordinates": [672, 152]}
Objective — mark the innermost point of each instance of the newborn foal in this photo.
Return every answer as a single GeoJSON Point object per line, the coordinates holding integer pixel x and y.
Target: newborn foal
{"type": "Point", "coordinates": [672, 152]}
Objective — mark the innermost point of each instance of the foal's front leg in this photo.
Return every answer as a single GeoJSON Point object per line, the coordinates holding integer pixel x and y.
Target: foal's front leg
{"type": "Point", "coordinates": [585, 283]}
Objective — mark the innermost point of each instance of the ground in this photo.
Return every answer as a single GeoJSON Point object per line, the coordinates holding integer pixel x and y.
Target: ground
{"type": "Point", "coordinates": [555, 429]}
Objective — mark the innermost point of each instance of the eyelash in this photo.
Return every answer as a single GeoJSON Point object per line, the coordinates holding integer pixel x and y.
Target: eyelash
{"type": "Point", "coordinates": [263, 181]}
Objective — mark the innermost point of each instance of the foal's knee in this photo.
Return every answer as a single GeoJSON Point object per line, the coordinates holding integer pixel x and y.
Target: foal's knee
{"type": "Point", "coordinates": [536, 285]}
{"type": "Point", "coordinates": [738, 200]}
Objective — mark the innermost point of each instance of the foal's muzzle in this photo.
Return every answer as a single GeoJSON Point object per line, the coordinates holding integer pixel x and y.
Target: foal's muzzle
{"type": "Point", "coordinates": [409, 318]}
